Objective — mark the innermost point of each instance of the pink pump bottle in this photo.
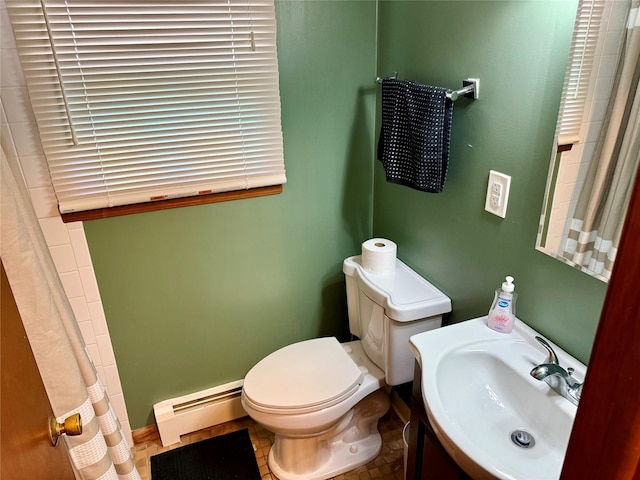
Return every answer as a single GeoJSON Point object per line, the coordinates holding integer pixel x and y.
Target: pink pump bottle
{"type": "Point", "coordinates": [502, 315]}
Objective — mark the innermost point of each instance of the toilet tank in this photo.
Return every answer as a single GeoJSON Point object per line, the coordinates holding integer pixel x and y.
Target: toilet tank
{"type": "Point", "coordinates": [386, 309]}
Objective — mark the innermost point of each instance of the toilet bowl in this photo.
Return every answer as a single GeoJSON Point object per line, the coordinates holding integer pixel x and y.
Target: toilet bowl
{"type": "Point", "coordinates": [323, 399]}
{"type": "Point", "coordinates": [318, 382]}
{"type": "Point", "coordinates": [311, 434]}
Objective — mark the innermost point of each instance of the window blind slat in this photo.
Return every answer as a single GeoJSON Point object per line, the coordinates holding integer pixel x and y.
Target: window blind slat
{"type": "Point", "coordinates": [166, 99]}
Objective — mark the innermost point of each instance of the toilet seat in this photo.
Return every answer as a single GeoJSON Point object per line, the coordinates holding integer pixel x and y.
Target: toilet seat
{"type": "Point", "coordinates": [302, 377]}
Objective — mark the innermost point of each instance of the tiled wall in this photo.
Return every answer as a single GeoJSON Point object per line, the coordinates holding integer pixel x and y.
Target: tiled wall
{"type": "Point", "coordinates": [66, 242]}
{"type": "Point", "coordinates": [575, 163]}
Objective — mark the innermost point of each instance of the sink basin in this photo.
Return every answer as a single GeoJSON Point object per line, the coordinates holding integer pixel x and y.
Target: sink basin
{"type": "Point", "coordinates": [478, 393]}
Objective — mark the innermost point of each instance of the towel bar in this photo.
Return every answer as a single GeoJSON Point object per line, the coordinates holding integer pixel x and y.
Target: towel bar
{"type": "Point", "coordinates": [470, 89]}
{"type": "Point", "coordinates": [394, 76]}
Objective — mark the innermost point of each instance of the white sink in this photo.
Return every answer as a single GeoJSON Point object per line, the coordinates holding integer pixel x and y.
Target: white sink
{"type": "Point", "coordinates": [477, 391]}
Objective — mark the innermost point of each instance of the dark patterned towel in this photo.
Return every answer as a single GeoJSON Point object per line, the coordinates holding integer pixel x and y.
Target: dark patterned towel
{"type": "Point", "coordinates": [414, 138]}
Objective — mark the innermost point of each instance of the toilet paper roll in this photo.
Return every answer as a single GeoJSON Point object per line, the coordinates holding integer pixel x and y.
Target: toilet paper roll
{"type": "Point", "coordinates": [379, 256]}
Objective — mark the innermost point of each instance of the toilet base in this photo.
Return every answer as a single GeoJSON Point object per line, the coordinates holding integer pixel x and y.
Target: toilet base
{"type": "Point", "coordinates": [352, 442]}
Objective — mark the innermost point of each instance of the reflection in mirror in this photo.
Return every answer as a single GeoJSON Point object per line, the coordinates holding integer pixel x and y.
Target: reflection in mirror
{"type": "Point", "coordinates": [597, 144]}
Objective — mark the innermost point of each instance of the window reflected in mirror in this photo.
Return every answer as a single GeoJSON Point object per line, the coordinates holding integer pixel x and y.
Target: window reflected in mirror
{"type": "Point", "coordinates": [597, 144]}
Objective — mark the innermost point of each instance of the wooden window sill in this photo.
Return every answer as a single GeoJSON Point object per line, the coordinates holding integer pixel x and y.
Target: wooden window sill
{"type": "Point", "coordinates": [565, 148]}
{"type": "Point", "coordinates": [171, 203]}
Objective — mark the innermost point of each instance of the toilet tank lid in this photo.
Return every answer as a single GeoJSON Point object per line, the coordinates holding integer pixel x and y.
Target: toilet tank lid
{"type": "Point", "coordinates": [404, 295]}
{"type": "Point", "coordinates": [303, 375]}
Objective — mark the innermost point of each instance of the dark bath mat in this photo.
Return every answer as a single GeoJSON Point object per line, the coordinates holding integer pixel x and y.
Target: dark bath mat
{"type": "Point", "coordinates": [224, 457]}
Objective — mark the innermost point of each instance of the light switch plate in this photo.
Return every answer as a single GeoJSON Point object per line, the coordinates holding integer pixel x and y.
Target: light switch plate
{"type": "Point", "coordinates": [497, 193]}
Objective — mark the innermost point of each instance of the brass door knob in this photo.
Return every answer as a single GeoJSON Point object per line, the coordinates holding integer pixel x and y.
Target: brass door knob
{"type": "Point", "coordinates": [72, 426]}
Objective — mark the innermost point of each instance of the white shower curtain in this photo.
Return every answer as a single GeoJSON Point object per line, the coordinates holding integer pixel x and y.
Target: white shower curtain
{"type": "Point", "coordinates": [69, 376]}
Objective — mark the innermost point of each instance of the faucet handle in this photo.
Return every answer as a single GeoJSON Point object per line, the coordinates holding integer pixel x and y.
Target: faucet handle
{"type": "Point", "coordinates": [570, 371]}
{"type": "Point", "coordinates": [575, 387]}
{"type": "Point", "coordinates": [553, 358]}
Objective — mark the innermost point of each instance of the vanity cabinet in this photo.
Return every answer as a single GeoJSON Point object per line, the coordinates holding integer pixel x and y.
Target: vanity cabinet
{"type": "Point", "coordinates": [427, 459]}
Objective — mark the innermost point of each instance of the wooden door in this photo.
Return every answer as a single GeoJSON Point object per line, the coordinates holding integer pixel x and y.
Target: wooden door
{"type": "Point", "coordinates": [25, 449]}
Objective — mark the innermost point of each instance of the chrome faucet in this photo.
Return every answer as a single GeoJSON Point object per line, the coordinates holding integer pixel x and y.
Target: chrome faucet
{"type": "Point", "coordinates": [559, 379]}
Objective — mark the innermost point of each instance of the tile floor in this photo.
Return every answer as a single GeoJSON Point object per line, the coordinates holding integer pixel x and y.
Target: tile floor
{"type": "Point", "coordinates": [389, 465]}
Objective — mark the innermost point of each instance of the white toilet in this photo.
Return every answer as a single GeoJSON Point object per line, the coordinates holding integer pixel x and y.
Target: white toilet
{"type": "Point", "coordinates": [323, 399]}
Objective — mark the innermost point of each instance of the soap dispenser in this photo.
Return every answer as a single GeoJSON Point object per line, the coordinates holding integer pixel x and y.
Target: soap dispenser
{"type": "Point", "coordinates": [502, 314]}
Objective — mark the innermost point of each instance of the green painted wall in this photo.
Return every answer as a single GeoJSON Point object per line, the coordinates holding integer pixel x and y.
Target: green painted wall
{"type": "Point", "coordinates": [518, 49]}
{"type": "Point", "coordinates": [196, 296]}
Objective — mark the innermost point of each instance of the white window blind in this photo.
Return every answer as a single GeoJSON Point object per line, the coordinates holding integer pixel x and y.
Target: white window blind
{"type": "Point", "coordinates": [579, 69]}
{"type": "Point", "coordinates": [142, 100]}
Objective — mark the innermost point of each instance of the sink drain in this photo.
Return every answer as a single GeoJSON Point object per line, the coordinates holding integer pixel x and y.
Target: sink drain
{"type": "Point", "coordinates": [522, 439]}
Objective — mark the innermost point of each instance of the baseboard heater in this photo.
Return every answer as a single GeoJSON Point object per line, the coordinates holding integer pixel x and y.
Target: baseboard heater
{"type": "Point", "coordinates": [189, 413]}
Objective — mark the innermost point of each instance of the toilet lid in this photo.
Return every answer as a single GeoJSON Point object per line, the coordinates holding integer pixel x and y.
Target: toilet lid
{"type": "Point", "coordinates": [302, 375]}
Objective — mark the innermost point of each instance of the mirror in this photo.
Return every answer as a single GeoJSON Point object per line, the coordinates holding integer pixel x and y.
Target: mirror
{"type": "Point", "coordinates": [597, 142]}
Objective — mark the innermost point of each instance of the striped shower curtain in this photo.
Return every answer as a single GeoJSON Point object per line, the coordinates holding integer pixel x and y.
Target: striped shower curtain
{"type": "Point", "coordinates": [69, 376]}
